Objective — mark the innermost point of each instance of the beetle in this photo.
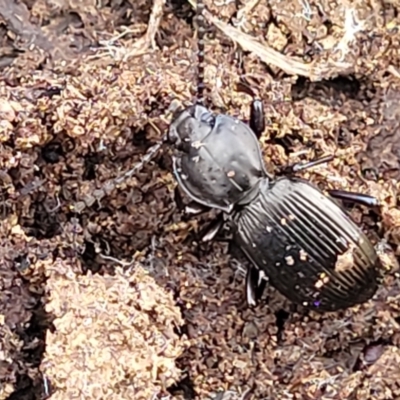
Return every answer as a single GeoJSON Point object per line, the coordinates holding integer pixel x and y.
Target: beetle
{"type": "Point", "coordinates": [303, 241]}
{"type": "Point", "coordinates": [299, 239]}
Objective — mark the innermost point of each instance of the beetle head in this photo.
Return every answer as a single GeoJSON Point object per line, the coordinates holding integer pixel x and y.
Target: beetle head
{"type": "Point", "coordinates": [189, 126]}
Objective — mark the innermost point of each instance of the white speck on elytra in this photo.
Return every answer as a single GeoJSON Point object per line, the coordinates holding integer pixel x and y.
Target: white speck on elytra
{"type": "Point", "coordinates": [303, 255]}
{"type": "Point", "coordinates": [289, 260]}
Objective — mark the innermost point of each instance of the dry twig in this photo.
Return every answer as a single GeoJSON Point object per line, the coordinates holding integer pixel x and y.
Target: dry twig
{"type": "Point", "coordinates": [142, 46]}
{"type": "Point", "coordinates": [148, 40]}
{"type": "Point", "coordinates": [292, 66]}
{"type": "Point", "coordinates": [247, 9]}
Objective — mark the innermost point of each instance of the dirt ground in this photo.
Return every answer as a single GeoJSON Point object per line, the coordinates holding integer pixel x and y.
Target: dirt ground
{"type": "Point", "coordinates": [105, 292]}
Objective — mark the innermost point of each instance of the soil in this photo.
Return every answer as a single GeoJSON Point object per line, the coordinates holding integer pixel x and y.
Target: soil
{"type": "Point", "coordinates": [86, 90]}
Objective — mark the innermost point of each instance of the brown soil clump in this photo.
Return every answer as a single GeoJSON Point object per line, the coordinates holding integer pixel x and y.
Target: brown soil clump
{"type": "Point", "coordinates": [85, 92]}
{"type": "Point", "coordinates": [114, 335]}
{"type": "Point", "coordinates": [16, 305]}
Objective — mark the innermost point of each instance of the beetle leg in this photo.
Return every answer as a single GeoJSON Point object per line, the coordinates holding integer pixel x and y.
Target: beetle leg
{"type": "Point", "coordinates": [192, 208]}
{"type": "Point", "coordinates": [212, 230]}
{"type": "Point", "coordinates": [355, 197]}
{"type": "Point", "coordinates": [257, 118]}
{"type": "Point", "coordinates": [290, 169]}
{"type": "Point", "coordinates": [178, 199]}
{"type": "Point", "coordinates": [255, 286]}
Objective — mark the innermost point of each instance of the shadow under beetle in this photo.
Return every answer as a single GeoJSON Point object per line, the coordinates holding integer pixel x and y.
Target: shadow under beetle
{"type": "Point", "coordinates": [301, 241]}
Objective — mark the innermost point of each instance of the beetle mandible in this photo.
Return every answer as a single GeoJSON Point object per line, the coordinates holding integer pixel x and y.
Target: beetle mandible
{"type": "Point", "coordinates": [303, 242]}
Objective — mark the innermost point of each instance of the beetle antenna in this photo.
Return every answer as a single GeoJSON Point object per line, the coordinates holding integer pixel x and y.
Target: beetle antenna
{"type": "Point", "coordinates": [201, 29]}
{"type": "Point", "coordinates": [154, 150]}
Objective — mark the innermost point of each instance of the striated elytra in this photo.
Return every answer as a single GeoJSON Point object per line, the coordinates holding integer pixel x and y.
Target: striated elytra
{"type": "Point", "coordinates": [309, 248]}
{"type": "Point", "coordinates": [303, 242]}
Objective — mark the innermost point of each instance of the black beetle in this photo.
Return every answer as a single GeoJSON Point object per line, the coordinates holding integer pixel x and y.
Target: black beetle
{"type": "Point", "coordinates": [300, 240]}
{"type": "Point", "coordinates": [303, 241]}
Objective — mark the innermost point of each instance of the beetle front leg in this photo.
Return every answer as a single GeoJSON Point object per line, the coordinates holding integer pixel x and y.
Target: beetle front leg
{"type": "Point", "coordinates": [212, 229]}
{"type": "Point", "coordinates": [255, 286]}
{"type": "Point", "coordinates": [257, 118]}
{"type": "Point", "coordinates": [190, 209]}
{"type": "Point", "coordinates": [354, 197]}
{"type": "Point", "coordinates": [194, 208]}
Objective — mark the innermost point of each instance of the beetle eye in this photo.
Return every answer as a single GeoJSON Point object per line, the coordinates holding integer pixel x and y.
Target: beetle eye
{"type": "Point", "coordinates": [174, 139]}
{"type": "Point", "coordinates": [203, 115]}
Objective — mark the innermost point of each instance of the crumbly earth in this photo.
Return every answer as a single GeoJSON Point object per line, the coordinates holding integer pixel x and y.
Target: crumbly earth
{"type": "Point", "coordinates": [113, 352]}
{"type": "Point", "coordinates": [85, 92]}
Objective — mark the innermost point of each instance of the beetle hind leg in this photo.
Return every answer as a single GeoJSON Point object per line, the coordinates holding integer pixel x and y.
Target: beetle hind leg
{"type": "Point", "coordinates": [354, 197]}
{"type": "Point", "coordinates": [255, 286]}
